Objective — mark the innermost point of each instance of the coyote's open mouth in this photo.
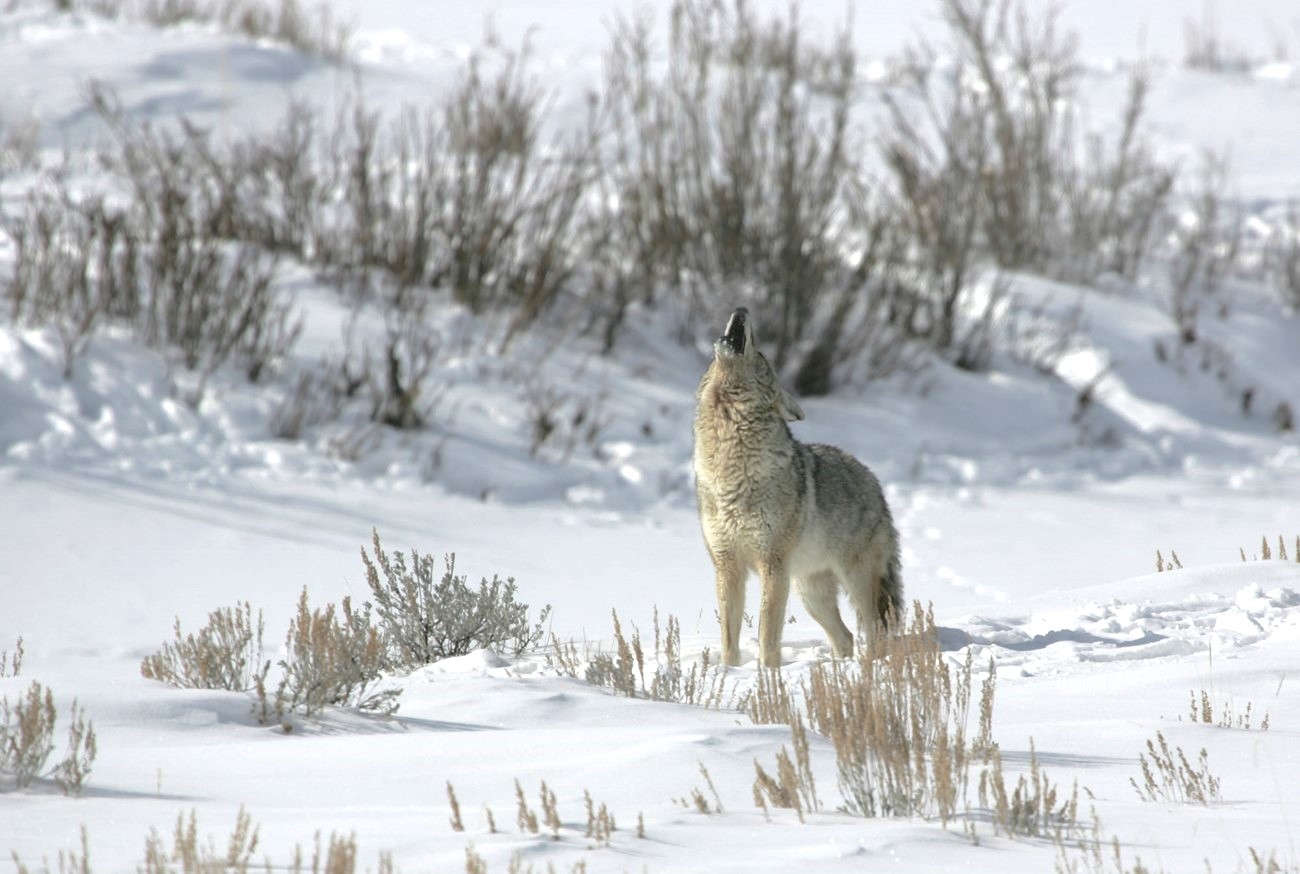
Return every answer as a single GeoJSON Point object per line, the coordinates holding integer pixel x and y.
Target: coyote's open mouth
{"type": "Point", "coordinates": [733, 336]}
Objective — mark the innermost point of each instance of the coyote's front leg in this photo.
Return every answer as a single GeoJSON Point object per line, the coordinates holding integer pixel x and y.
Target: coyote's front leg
{"type": "Point", "coordinates": [771, 611]}
{"type": "Point", "coordinates": [731, 603]}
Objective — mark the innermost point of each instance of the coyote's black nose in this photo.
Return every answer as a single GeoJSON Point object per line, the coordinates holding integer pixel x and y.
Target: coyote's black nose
{"type": "Point", "coordinates": [734, 334]}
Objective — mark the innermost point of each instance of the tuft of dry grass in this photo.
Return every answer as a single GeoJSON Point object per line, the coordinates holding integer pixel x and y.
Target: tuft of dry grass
{"type": "Point", "coordinates": [1171, 565]}
{"type": "Point", "coordinates": [1266, 553]}
{"type": "Point", "coordinates": [70, 861]}
{"type": "Point", "coordinates": [1034, 808]}
{"type": "Point", "coordinates": [1167, 775]}
{"type": "Point", "coordinates": [1090, 854]}
{"type": "Point", "coordinates": [1201, 709]}
{"type": "Point", "coordinates": [188, 854]}
{"type": "Point", "coordinates": [897, 719]}
{"type": "Point", "coordinates": [600, 822]}
{"type": "Point", "coordinates": [629, 670]}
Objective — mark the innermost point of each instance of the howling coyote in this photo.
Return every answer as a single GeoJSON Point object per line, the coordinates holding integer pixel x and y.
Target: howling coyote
{"type": "Point", "coordinates": [783, 508]}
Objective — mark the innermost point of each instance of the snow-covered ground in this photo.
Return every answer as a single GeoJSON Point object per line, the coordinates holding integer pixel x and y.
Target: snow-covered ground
{"type": "Point", "coordinates": [1032, 530]}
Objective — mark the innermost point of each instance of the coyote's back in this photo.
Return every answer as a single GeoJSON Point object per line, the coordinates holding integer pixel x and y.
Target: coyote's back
{"type": "Point", "coordinates": [787, 510]}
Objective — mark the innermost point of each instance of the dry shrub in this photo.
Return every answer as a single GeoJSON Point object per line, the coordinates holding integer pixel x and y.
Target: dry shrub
{"type": "Point", "coordinates": [332, 661]}
{"type": "Point", "coordinates": [1036, 192]}
{"type": "Point", "coordinates": [60, 255]}
{"type": "Point", "coordinates": [732, 167]}
{"type": "Point", "coordinates": [20, 139]}
{"type": "Point", "coordinates": [466, 195]}
{"type": "Point", "coordinates": [1204, 47]}
{"type": "Point", "coordinates": [27, 734]}
{"type": "Point", "coordinates": [224, 654]}
{"type": "Point", "coordinates": [27, 740]}
{"type": "Point", "coordinates": [160, 264]}
{"type": "Point", "coordinates": [897, 718]}
{"type": "Point", "coordinates": [1205, 246]}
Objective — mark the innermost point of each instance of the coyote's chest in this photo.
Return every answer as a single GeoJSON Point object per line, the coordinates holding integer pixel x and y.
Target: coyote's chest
{"type": "Point", "coordinates": [748, 482]}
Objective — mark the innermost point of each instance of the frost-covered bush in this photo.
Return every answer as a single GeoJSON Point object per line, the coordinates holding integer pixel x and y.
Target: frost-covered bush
{"type": "Point", "coordinates": [425, 616]}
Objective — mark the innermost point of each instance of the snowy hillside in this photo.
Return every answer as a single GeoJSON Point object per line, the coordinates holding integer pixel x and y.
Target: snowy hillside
{"type": "Point", "coordinates": [1091, 418]}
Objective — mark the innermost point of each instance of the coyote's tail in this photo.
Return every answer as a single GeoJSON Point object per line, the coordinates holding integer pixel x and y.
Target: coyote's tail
{"type": "Point", "coordinates": [890, 603]}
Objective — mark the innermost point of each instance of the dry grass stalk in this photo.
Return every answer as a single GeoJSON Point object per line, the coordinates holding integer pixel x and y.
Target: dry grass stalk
{"type": "Point", "coordinates": [717, 799]}
{"type": "Point", "coordinates": [12, 665]}
{"type": "Point", "coordinates": [640, 825]}
{"type": "Point", "coordinates": [491, 820]}
{"type": "Point", "coordinates": [1172, 564]}
{"type": "Point", "coordinates": [457, 825]}
{"type": "Point", "coordinates": [526, 818]}
{"type": "Point", "coordinates": [769, 702]}
{"type": "Point", "coordinates": [550, 812]}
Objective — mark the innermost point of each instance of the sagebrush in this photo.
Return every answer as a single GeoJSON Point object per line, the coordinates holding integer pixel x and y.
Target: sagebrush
{"type": "Point", "coordinates": [424, 616]}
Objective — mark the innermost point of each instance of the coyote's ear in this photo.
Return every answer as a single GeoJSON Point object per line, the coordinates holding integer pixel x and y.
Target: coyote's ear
{"type": "Point", "coordinates": [787, 406]}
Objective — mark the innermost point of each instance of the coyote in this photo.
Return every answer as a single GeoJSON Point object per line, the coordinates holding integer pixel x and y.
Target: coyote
{"type": "Point", "coordinates": [783, 508]}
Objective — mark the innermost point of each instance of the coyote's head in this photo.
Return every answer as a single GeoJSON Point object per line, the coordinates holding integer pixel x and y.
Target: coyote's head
{"type": "Point", "coordinates": [742, 368]}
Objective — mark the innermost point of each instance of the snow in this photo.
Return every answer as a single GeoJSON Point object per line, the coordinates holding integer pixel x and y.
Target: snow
{"type": "Point", "coordinates": [1029, 523]}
